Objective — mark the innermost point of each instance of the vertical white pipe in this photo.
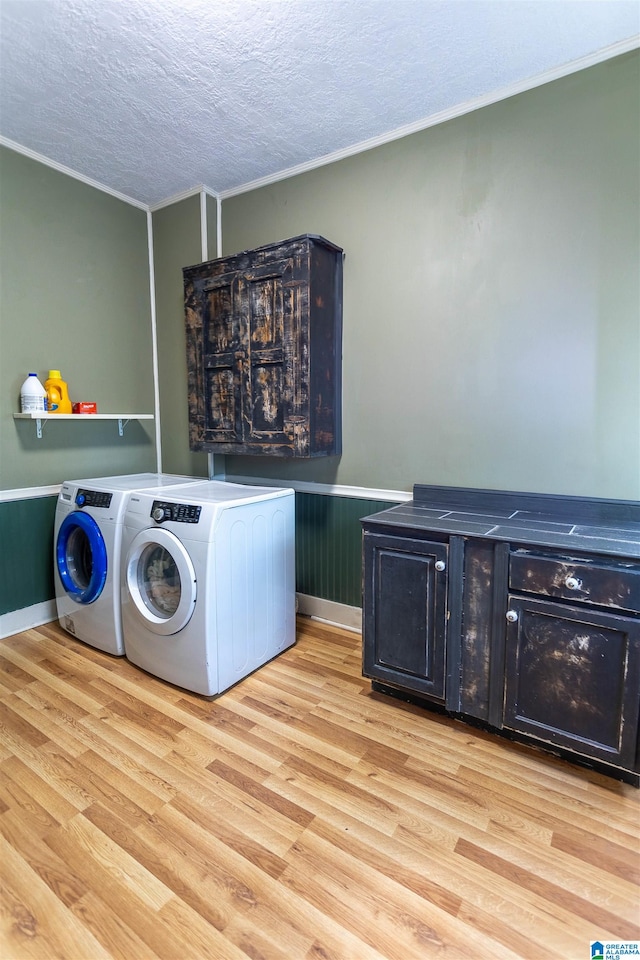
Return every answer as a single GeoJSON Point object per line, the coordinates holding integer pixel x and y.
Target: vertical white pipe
{"type": "Point", "coordinates": [204, 251]}
{"type": "Point", "coordinates": [154, 342]}
{"type": "Point", "coordinates": [215, 461]}
{"type": "Point", "coordinates": [204, 240]}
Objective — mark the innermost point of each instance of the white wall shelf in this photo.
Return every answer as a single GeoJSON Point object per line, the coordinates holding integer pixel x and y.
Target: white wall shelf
{"type": "Point", "coordinates": [122, 418]}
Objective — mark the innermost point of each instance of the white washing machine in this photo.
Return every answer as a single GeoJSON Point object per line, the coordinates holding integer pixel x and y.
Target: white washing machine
{"type": "Point", "coordinates": [87, 542]}
{"type": "Point", "coordinates": [208, 591]}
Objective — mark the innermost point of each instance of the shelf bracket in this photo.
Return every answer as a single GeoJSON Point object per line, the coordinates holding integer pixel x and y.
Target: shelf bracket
{"type": "Point", "coordinates": [40, 420]}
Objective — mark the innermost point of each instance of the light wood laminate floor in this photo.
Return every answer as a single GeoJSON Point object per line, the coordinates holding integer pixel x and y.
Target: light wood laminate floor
{"type": "Point", "coordinates": [297, 816]}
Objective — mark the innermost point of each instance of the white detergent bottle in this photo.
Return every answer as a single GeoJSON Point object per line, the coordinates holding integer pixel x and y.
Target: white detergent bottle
{"type": "Point", "coordinates": [33, 396]}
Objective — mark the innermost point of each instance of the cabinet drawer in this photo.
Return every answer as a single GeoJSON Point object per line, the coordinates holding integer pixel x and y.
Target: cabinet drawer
{"type": "Point", "coordinates": [585, 581]}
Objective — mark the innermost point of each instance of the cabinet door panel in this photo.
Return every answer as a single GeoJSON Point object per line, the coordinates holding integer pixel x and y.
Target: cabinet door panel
{"type": "Point", "coordinates": [572, 678]}
{"type": "Point", "coordinates": [405, 623]}
{"type": "Point", "coordinates": [266, 305]}
{"type": "Point", "coordinates": [223, 331]}
{"type": "Point", "coordinates": [222, 326]}
{"type": "Point", "coordinates": [222, 412]}
{"type": "Point", "coordinates": [267, 421]}
{"type": "Point", "coordinates": [269, 390]}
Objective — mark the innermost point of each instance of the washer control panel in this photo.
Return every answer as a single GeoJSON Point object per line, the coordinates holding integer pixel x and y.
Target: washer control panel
{"type": "Point", "coordinates": [178, 512]}
{"type": "Point", "coordinates": [93, 498]}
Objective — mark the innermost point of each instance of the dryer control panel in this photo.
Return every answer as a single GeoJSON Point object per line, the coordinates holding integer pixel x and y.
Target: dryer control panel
{"type": "Point", "coordinates": [178, 512]}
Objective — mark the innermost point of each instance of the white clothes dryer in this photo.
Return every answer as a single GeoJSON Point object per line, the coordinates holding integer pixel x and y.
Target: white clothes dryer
{"type": "Point", "coordinates": [87, 543]}
{"type": "Point", "coordinates": [208, 592]}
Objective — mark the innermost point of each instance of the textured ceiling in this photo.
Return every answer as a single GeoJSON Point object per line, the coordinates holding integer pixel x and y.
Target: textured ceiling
{"type": "Point", "coordinates": [154, 97]}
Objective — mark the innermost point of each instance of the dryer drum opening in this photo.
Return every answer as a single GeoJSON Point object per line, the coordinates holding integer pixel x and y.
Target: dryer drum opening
{"type": "Point", "coordinates": [161, 581]}
{"type": "Point", "coordinates": [81, 557]}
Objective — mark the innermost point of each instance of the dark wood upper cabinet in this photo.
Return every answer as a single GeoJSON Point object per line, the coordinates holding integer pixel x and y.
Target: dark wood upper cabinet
{"type": "Point", "coordinates": [264, 350]}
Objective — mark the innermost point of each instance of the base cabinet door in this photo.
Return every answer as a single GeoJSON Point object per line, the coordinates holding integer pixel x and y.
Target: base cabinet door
{"type": "Point", "coordinates": [405, 606]}
{"type": "Point", "coordinates": [572, 678]}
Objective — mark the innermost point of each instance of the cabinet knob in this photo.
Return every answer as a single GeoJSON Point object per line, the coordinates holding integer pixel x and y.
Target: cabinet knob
{"type": "Point", "coordinates": [512, 616]}
{"type": "Point", "coordinates": [571, 583]}
{"type": "Point", "coordinates": [440, 565]}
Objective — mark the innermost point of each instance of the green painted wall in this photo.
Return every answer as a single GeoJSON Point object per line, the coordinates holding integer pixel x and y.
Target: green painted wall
{"type": "Point", "coordinates": [491, 292]}
{"type": "Point", "coordinates": [492, 335]}
{"type": "Point", "coordinates": [26, 558]}
{"type": "Point", "coordinates": [176, 244]}
{"type": "Point", "coordinates": [74, 296]}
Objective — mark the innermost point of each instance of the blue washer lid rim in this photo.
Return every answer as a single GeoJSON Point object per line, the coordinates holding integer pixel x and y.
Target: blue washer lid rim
{"type": "Point", "coordinates": [98, 577]}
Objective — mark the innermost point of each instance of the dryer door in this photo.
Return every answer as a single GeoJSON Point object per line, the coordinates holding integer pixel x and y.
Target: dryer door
{"type": "Point", "coordinates": [81, 557]}
{"type": "Point", "coordinates": [161, 581]}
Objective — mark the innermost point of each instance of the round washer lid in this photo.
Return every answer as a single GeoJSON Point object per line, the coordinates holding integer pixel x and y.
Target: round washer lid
{"type": "Point", "coordinates": [81, 557]}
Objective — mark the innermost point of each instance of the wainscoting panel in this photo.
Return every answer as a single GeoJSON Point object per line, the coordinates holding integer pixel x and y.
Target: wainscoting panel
{"type": "Point", "coordinates": [328, 549]}
{"type": "Point", "coordinates": [26, 558]}
{"type": "Point", "coordinates": [329, 545]}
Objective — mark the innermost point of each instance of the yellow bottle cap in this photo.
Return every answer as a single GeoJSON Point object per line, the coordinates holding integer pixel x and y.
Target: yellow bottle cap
{"type": "Point", "coordinates": [54, 375]}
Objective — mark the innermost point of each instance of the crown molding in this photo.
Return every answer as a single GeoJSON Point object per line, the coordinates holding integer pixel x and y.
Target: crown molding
{"type": "Point", "coordinates": [60, 168]}
{"type": "Point", "coordinates": [184, 195]}
{"type": "Point", "coordinates": [548, 76]}
{"type": "Point", "coordinates": [522, 86]}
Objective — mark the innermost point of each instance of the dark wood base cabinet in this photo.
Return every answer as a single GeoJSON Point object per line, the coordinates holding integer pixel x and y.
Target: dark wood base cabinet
{"type": "Point", "coordinates": [516, 612]}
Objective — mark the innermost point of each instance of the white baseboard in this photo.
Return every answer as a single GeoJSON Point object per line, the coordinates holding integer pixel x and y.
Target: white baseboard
{"type": "Point", "coordinates": [326, 610]}
{"type": "Point", "coordinates": [27, 618]}
{"type": "Point", "coordinates": [330, 612]}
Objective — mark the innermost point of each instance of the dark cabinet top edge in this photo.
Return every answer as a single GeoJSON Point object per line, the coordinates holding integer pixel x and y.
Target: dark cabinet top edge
{"type": "Point", "coordinates": [536, 505]}
{"type": "Point", "coordinates": [612, 534]}
{"type": "Point", "coordinates": [303, 237]}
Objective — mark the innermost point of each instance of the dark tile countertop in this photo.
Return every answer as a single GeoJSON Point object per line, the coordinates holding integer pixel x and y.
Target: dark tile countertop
{"type": "Point", "coordinates": [581, 525]}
